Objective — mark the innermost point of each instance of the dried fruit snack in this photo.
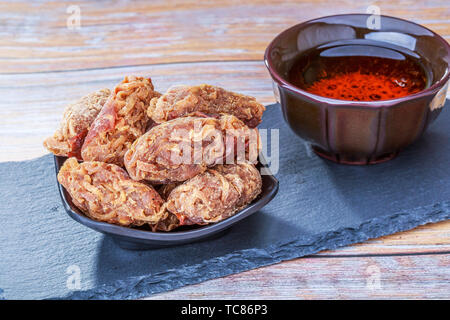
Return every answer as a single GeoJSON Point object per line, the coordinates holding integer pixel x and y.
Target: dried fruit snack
{"type": "Point", "coordinates": [121, 121]}
{"type": "Point", "coordinates": [183, 100]}
{"type": "Point", "coordinates": [105, 192]}
{"type": "Point", "coordinates": [179, 149]}
{"type": "Point", "coordinates": [216, 194]}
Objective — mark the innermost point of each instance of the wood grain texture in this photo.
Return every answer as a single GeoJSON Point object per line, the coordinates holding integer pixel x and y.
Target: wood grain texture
{"type": "Point", "coordinates": [35, 36]}
{"type": "Point", "coordinates": [44, 65]}
{"type": "Point", "coordinates": [381, 277]}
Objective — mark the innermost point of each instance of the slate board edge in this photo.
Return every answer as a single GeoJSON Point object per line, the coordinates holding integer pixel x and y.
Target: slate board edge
{"type": "Point", "coordinates": [144, 286]}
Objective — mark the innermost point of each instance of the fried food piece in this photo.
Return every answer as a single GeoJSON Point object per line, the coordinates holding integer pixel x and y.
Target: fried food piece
{"type": "Point", "coordinates": [168, 223]}
{"type": "Point", "coordinates": [245, 178]}
{"type": "Point", "coordinates": [121, 121]}
{"type": "Point", "coordinates": [165, 189]}
{"type": "Point", "coordinates": [105, 192]}
{"type": "Point", "coordinates": [179, 149]}
{"type": "Point", "coordinates": [216, 194]}
{"type": "Point", "coordinates": [183, 100]}
{"type": "Point", "coordinates": [74, 126]}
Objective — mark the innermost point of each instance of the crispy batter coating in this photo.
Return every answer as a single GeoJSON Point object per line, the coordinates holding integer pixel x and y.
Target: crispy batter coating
{"type": "Point", "coordinates": [165, 189]}
{"type": "Point", "coordinates": [179, 149]}
{"type": "Point", "coordinates": [74, 126]}
{"type": "Point", "coordinates": [169, 220]}
{"type": "Point", "coordinates": [105, 192]}
{"type": "Point", "coordinates": [121, 121]}
{"type": "Point", "coordinates": [183, 100]}
{"type": "Point", "coordinates": [216, 194]}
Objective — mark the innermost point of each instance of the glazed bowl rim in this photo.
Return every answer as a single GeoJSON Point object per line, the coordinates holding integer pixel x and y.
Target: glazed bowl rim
{"type": "Point", "coordinates": [373, 104]}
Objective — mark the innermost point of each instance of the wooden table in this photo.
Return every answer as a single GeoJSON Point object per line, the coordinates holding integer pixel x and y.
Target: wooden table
{"type": "Point", "coordinates": [45, 64]}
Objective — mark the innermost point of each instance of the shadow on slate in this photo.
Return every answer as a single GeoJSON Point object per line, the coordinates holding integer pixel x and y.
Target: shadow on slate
{"type": "Point", "coordinates": [320, 205]}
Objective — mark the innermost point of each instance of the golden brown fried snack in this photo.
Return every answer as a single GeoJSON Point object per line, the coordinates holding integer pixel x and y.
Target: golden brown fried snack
{"type": "Point", "coordinates": [181, 101]}
{"type": "Point", "coordinates": [168, 223]}
{"type": "Point", "coordinates": [216, 194]}
{"type": "Point", "coordinates": [74, 126]}
{"type": "Point", "coordinates": [105, 192]}
{"type": "Point", "coordinates": [165, 189]}
{"type": "Point", "coordinates": [120, 122]}
{"type": "Point", "coordinates": [179, 149]}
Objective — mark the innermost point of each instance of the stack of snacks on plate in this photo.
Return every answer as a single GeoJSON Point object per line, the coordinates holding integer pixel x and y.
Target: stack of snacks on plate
{"type": "Point", "coordinates": [138, 157]}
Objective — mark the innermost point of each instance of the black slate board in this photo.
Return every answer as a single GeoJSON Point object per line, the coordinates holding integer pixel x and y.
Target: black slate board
{"type": "Point", "coordinates": [320, 205]}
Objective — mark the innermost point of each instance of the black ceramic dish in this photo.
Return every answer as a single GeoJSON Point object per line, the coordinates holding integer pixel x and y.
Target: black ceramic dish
{"type": "Point", "coordinates": [141, 238]}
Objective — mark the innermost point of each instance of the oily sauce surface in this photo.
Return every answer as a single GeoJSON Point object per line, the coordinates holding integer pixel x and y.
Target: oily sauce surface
{"type": "Point", "coordinates": [358, 73]}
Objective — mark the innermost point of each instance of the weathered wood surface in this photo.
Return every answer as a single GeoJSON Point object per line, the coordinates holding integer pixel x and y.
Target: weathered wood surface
{"type": "Point", "coordinates": [379, 277]}
{"type": "Point", "coordinates": [44, 65]}
{"type": "Point", "coordinates": [117, 33]}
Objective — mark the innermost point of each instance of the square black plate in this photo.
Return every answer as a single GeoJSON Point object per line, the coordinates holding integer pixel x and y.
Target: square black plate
{"type": "Point", "coordinates": [138, 238]}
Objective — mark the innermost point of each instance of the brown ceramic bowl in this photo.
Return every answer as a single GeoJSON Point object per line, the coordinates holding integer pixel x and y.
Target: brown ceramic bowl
{"type": "Point", "coordinates": [355, 132]}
